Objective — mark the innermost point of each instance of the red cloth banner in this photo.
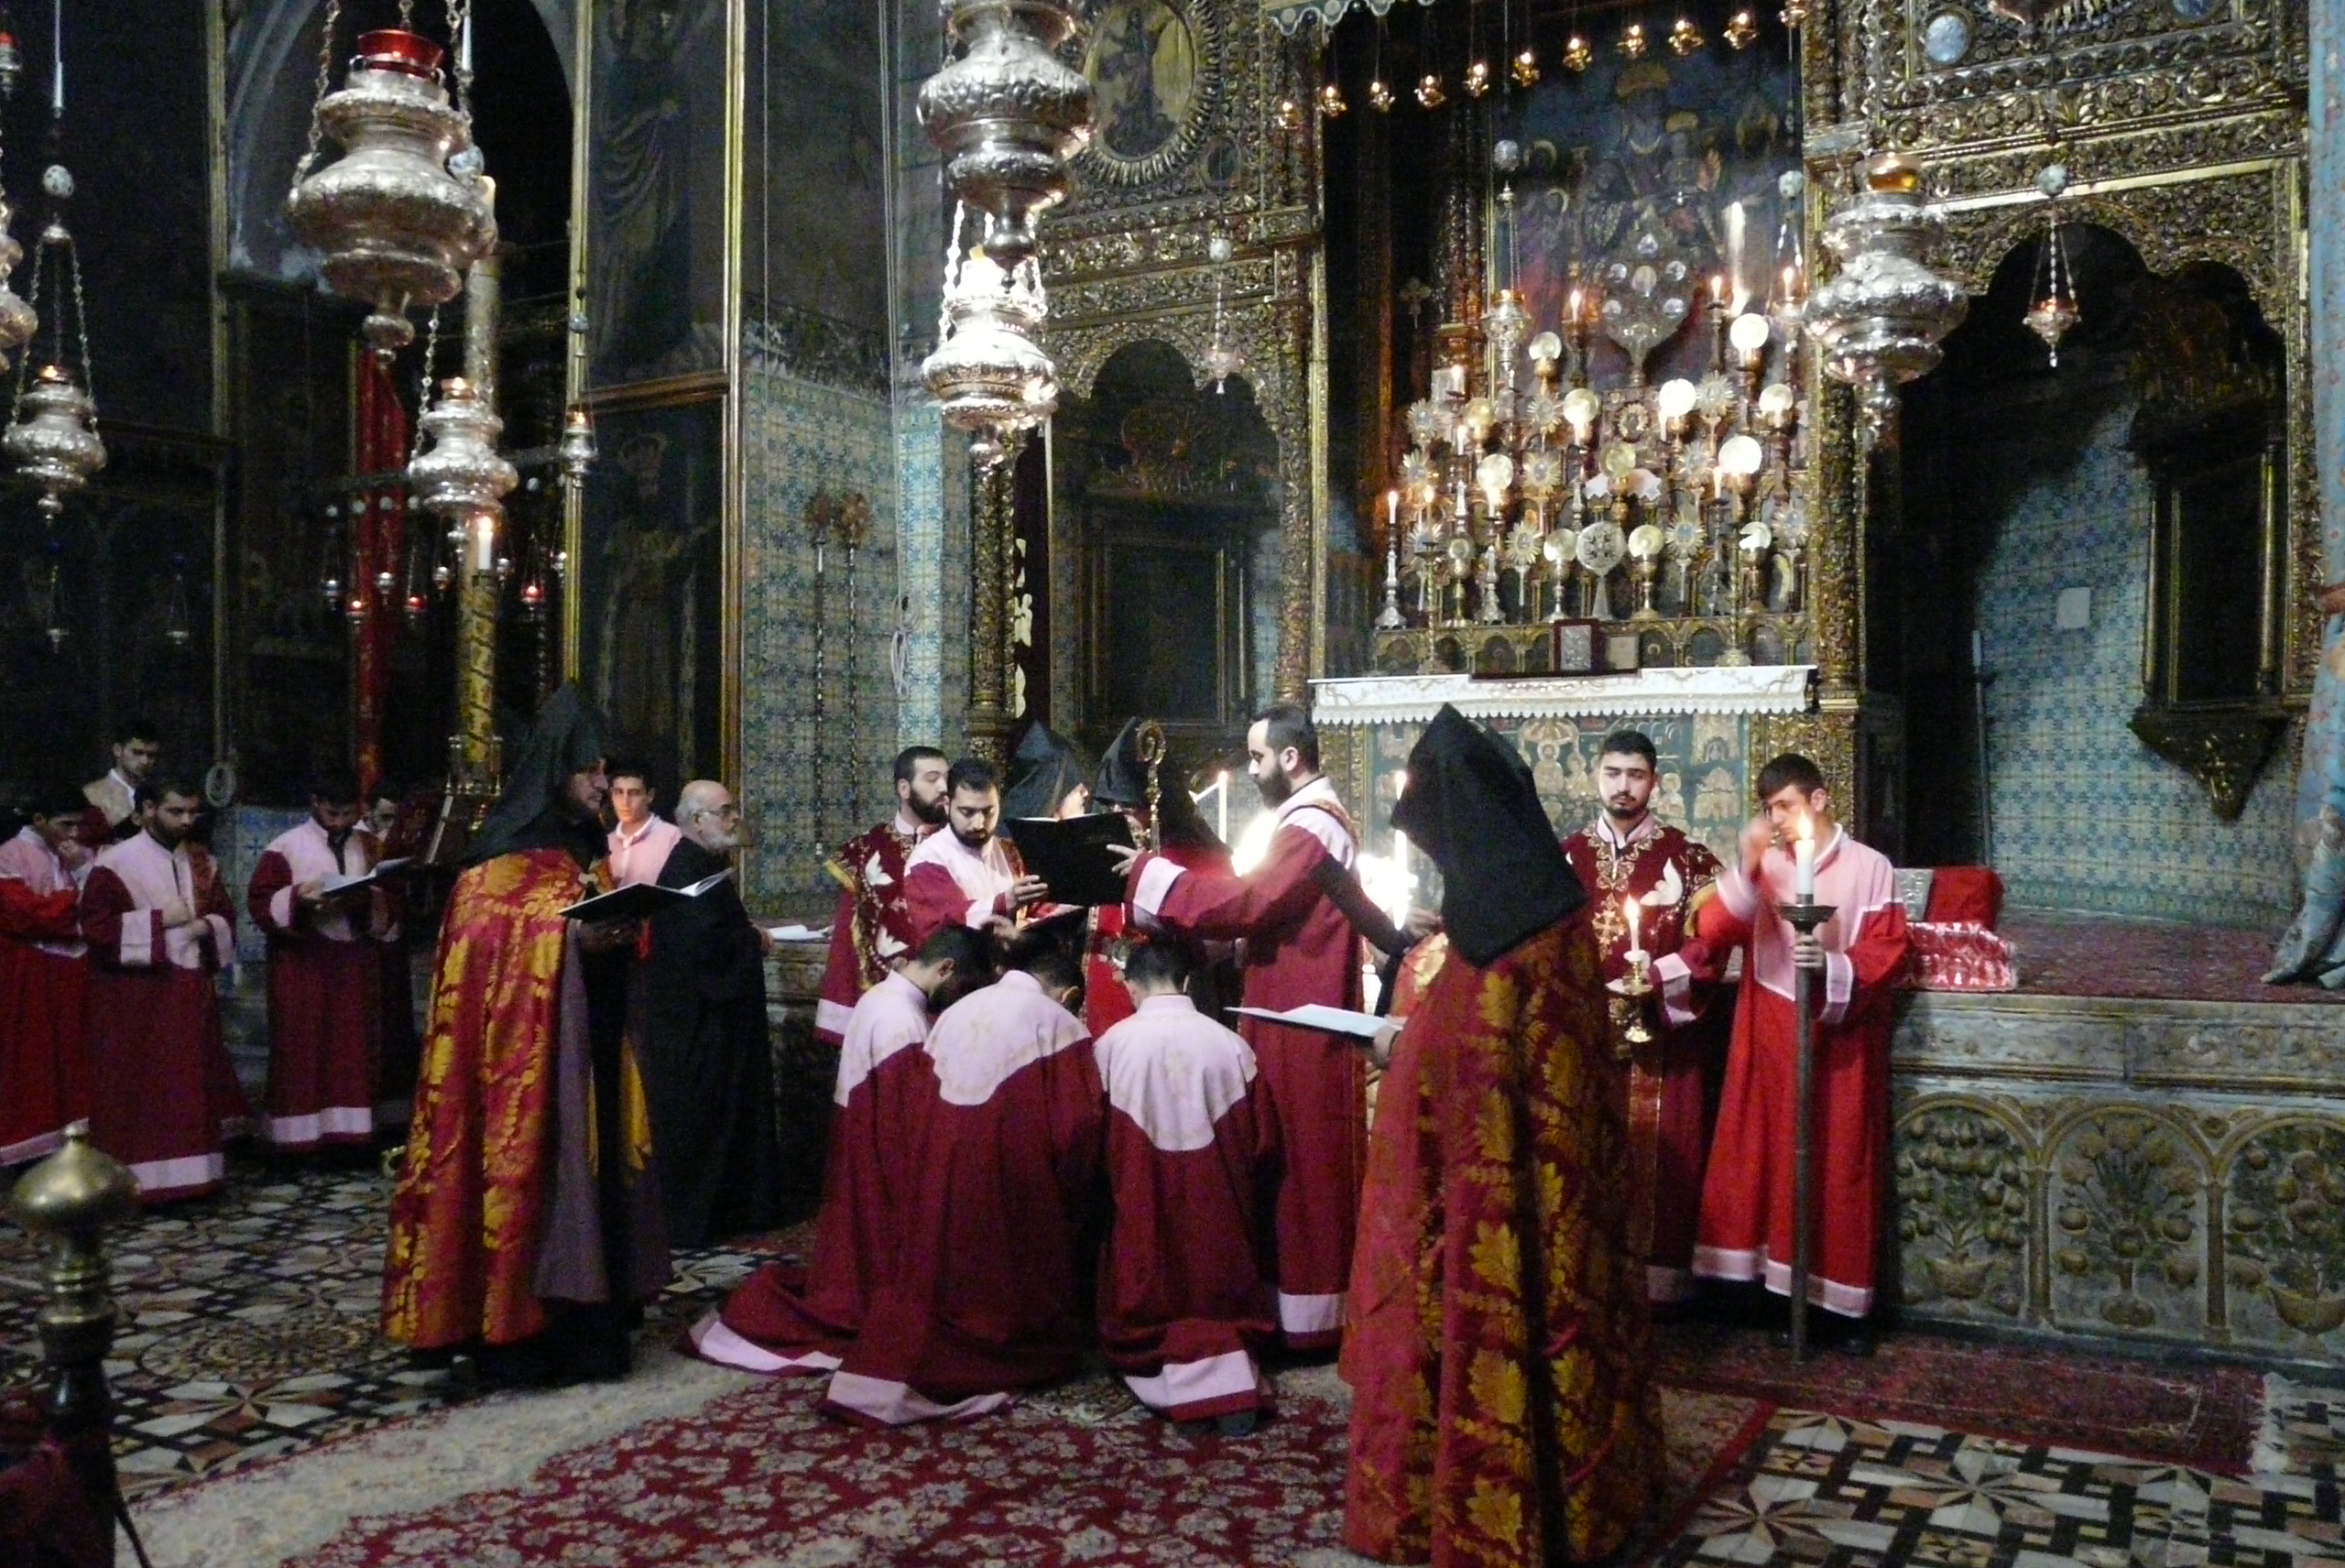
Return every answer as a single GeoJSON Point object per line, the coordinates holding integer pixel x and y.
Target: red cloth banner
{"type": "Point", "coordinates": [378, 534]}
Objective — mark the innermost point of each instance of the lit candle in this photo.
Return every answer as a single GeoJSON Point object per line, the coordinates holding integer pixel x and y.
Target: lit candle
{"type": "Point", "coordinates": [1221, 805]}
{"type": "Point", "coordinates": [1718, 290]}
{"type": "Point", "coordinates": [1804, 861]}
{"type": "Point", "coordinates": [484, 531]}
{"type": "Point", "coordinates": [1392, 515]}
{"type": "Point", "coordinates": [1636, 946]}
{"type": "Point", "coordinates": [1575, 308]}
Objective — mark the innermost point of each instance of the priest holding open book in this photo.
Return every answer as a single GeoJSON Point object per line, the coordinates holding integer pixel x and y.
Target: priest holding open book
{"type": "Point", "coordinates": [526, 1229]}
{"type": "Point", "coordinates": [315, 894]}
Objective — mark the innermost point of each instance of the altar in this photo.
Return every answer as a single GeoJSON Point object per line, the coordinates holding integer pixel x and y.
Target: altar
{"type": "Point", "coordinates": [1706, 724]}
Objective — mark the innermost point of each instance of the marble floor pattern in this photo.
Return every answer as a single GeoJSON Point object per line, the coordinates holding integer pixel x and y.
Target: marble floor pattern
{"type": "Point", "coordinates": [249, 1336]}
{"type": "Point", "coordinates": [249, 1323]}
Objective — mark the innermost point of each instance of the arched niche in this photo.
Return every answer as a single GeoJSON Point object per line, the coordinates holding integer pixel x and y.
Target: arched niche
{"type": "Point", "coordinates": [1166, 516]}
{"type": "Point", "coordinates": [2117, 528]}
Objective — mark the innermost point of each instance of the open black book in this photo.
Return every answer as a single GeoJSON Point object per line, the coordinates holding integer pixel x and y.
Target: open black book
{"type": "Point", "coordinates": [638, 901]}
{"type": "Point", "coordinates": [1070, 855]}
{"type": "Point", "coordinates": [351, 884]}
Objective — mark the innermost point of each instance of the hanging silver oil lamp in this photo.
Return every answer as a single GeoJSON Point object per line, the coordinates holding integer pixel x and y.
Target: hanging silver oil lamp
{"type": "Point", "coordinates": [404, 212]}
{"type": "Point", "coordinates": [1008, 114]}
{"type": "Point", "coordinates": [54, 442]}
{"type": "Point", "coordinates": [1879, 321]}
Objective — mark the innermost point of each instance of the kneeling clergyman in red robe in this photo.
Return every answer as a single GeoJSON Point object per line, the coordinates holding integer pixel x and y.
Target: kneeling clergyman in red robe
{"type": "Point", "coordinates": [159, 926]}
{"type": "Point", "coordinates": [1185, 1298]}
{"type": "Point", "coordinates": [526, 1227]}
{"type": "Point", "coordinates": [325, 974]}
{"type": "Point", "coordinates": [1497, 1341]}
{"type": "Point", "coordinates": [1854, 958]}
{"type": "Point", "coordinates": [987, 1295]}
{"type": "Point", "coordinates": [44, 979]}
{"type": "Point", "coordinates": [791, 1318]}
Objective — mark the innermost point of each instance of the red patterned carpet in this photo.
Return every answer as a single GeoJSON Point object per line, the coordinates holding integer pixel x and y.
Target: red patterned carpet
{"type": "Point", "coordinates": [1077, 1476]}
{"type": "Point", "coordinates": [2088, 955]}
{"type": "Point", "coordinates": [2205, 1415]}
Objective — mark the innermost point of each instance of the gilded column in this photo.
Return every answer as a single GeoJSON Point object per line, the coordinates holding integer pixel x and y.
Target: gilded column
{"type": "Point", "coordinates": [476, 769]}
{"type": "Point", "coordinates": [993, 524]}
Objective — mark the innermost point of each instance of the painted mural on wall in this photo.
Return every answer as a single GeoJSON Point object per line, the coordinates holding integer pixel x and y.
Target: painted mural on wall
{"type": "Point", "coordinates": [651, 586]}
{"type": "Point", "coordinates": [656, 194]}
{"type": "Point", "coordinates": [1143, 69]}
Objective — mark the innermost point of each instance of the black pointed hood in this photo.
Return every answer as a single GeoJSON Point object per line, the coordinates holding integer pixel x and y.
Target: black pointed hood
{"type": "Point", "coordinates": [1044, 770]}
{"type": "Point", "coordinates": [564, 738]}
{"type": "Point", "coordinates": [1470, 804]}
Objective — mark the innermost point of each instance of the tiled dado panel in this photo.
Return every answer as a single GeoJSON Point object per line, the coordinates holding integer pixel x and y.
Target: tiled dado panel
{"type": "Point", "coordinates": [2167, 1171]}
{"type": "Point", "coordinates": [818, 700]}
{"type": "Point", "coordinates": [2086, 818]}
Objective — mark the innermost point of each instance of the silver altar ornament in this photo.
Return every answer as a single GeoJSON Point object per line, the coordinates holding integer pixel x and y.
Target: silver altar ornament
{"type": "Point", "coordinates": [18, 321]}
{"type": "Point", "coordinates": [1879, 321]}
{"type": "Point", "coordinates": [404, 212]}
{"type": "Point", "coordinates": [458, 474]}
{"type": "Point", "coordinates": [1008, 115]}
{"type": "Point", "coordinates": [989, 373]}
{"type": "Point", "coordinates": [54, 442]}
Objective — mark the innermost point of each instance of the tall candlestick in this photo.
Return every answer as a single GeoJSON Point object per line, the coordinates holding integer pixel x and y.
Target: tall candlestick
{"type": "Point", "coordinates": [1803, 861]}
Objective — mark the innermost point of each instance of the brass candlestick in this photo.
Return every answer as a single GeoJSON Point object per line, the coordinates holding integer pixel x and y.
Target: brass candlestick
{"type": "Point", "coordinates": [1629, 1008]}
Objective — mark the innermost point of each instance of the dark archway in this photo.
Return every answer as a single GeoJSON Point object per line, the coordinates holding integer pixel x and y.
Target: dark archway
{"type": "Point", "coordinates": [2033, 507]}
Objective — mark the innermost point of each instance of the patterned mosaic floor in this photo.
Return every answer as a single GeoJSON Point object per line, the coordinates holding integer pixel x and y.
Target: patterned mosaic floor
{"type": "Point", "coordinates": [1828, 1490]}
{"type": "Point", "coordinates": [249, 1334]}
{"type": "Point", "coordinates": [249, 1323]}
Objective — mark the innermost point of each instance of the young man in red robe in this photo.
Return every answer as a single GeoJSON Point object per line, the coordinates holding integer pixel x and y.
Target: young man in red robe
{"type": "Point", "coordinates": [968, 875]}
{"type": "Point", "coordinates": [871, 930]}
{"type": "Point", "coordinates": [1185, 1298]}
{"type": "Point", "coordinates": [789, 1317]}
{"type": "Point", "coordinates": [987, 1293]}
{"type": "Point", "coordinates": [159, 926]}
{"type": "Point", "coordinates": [1637, 867]}
{"type": "Point", "coordinates": [44, 978]}
{"type": "Point", "coordinates": [1300, 947]}
{"type": "Point", "coordinates": [642, 840]}
{"type": "Point", "coordinates": [526, 1227]}
{"type": "Point", "coordinates": [325, 1018]}
{"type": "Point", "coordinates": [113, 797]}
{"type": "Point", "coordinates": [1852, 961]}
{"type": "Point", "coordinates": [1496, 1345]}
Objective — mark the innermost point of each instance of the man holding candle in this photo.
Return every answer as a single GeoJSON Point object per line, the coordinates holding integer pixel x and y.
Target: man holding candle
{"type": "Point", "coordinates": [1648, 881]}
{"type": "Point", "coordinates": [1796, 851]}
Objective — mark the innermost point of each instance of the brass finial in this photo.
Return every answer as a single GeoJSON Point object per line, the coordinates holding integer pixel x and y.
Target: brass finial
{"type": "Point", "coordinates": [78, 1188]}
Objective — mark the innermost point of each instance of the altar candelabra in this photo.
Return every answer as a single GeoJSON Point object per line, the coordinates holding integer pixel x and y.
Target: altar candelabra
{"type": "Point", "coordinates": [1529, 495]}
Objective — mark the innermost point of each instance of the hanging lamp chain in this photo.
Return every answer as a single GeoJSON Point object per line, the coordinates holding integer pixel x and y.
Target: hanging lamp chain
{"type": "Point", "coordinates": [423, 390]}
{"type": "Point", "coordinates": [460, 21]}
{"type": "Point", "coordinates": [325, 86]}
{"type": "Point", "coordinates": [81, 322]}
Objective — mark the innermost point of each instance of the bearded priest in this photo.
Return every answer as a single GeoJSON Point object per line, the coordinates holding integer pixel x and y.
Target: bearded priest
{"type": "Point", "coordinates": [526, 1226]}
{"type": "Point", "coordinates": [1648, 881]}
